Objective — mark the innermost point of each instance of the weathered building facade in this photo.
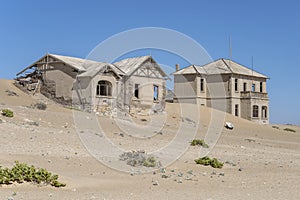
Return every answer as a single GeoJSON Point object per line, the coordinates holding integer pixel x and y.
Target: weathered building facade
{"type": "Point", "coordinates": [240, 91]}
{"type": "Point", "coordinates": [129, 83]}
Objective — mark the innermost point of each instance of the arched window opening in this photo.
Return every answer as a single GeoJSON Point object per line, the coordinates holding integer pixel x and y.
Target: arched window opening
{"type": "Point", "coordinates": [104, 88]}
{"type": "Point", "coordinates": [264, 112]}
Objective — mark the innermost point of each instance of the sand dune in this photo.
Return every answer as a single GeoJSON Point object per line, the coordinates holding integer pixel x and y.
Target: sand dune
{"type": "Point", "coordinates": [261, 162]}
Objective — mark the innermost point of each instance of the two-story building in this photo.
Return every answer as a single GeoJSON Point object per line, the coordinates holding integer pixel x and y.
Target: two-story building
{"type": "Point", "coordinates": [242, 91]}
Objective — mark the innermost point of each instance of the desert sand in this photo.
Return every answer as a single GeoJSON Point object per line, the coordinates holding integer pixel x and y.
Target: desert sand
{"type": "Point", "coordinates": [261, 162]}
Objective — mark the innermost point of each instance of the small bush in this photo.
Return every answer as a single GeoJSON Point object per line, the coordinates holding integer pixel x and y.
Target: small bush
{"type": "Point", "coordinates": [208, 161]}
{"type": "Point", "coordinates": [21, 172]}
{"type": "Point", "coordinates": [290, 130]}
{"type": "Point", "coordinates": [40, 106]}
{"type": "Point", "coordinates": [7, 113]}
{"type": "Point", "coordinates": [150, 162]}
{"type": "Point", "coordinates": [199, 143]}
{"type": "Point", "coordinates": [138, 158]}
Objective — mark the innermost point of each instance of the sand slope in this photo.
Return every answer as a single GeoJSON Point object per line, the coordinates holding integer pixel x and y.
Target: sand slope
{"type": "Point", "coordinates": [262, 162]}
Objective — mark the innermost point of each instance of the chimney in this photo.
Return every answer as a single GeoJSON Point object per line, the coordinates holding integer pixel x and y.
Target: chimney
{"type": "Point", "coordinates": [177, 67]}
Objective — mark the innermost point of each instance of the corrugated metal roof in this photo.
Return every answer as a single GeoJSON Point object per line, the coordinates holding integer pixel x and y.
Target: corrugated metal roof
{"type": "Point", "coordinates": [78, 63]}
{"type": "Point", "coordinates": [186, 70]}
{"type": "Point", "coordinates": [94, 69]}
{"type": "Point", "coordinates": [217, 67]}
{"type": "Point", "coordinates": [237, 68]}
{"type": "Point", "coordinates": [129, 65]}
{"type": "Point", "coordinates": [221, 66]}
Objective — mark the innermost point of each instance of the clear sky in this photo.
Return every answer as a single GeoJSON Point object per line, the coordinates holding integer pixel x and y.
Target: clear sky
{"type": "Point", "coordinates": [268, 30]}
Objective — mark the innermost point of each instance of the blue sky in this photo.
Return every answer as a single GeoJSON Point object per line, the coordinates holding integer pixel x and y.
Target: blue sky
{"type": "Point", "coordinates": [267, 30]}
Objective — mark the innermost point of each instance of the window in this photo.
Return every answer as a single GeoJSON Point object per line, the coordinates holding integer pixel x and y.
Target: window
{"type": "Point", "coordinates": [229, 87]}
{"type": "Point", "coordinates": [253, 87]}
{"type": "Point", "coordinates": [236, 110]}
{"type": "Point", "coordinates": [103, 88]}
{"type": "Point", "coordinates": [261, 87]}
{"type": "Point", "coordinates": [236, 84]}
{"type": "Point", "coordinates": [155, 94]}
{"type": "Point", "coordinates": [264, 112]}
{"type": "Point", "coordinates": [255, 111]}
{"type": "Point", "coordinates": [136, 90]}
{"type": "Point", "coordinates": [202, 85]}
{"type": "Point", "coordinates": [245, 87]}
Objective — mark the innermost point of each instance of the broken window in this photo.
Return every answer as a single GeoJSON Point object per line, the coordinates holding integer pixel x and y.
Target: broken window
{"type": "Point", "coordinates": [236, 110]}
{"type": "Point", "coordinates": [255, 111]}
{"type": "Point", "coordinates": [104, 88]}
{"type": "Point", "coordinates": [202, 85]}
{"type": "Point", "coordinates": [136, 90]}
{"type": "Point", "coordinates": [155, 95]}
{"type": "Point", "coordinates": [236, 85]}
{"type": "Point", "coordinates": [264, 112]}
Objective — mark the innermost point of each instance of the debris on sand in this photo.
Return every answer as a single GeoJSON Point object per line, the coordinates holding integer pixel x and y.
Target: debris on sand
{"type": "Point", "coordinates": [40, 106]}
{"type": "Point", "coordinates": [11, 93]}
{"type": "Point", "coordinates": [155, 183]}
{"type": "Point", "coordinates": [229, 125]}
{"type": "Point", "coordinates": [249, 140]}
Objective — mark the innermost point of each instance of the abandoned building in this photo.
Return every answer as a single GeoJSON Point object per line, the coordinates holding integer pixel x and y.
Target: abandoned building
{"type": "Point", "coordinates": [245, 92]}
{"type": "Point", "coordinates": [137, 82]}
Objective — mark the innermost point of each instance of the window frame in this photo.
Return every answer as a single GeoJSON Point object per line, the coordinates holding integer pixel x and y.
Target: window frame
{"type": "Point", "coordinates": [236, 110]}
{"type": "Point", "coordinates": [155, 95]}
{"type": "Point", "coordinates": [261, 87]}
{"type": "Point", "coordinates": [253, 87]}
{"type": "Point", "coordinates": [137, 90]}
{"type": "Point", "coordinates": [104, 88]}
{"type": "Point", "coordinates": [264, 112]}
{"type": "Point", "coordinates": [236, 85]}
{"type": "Point", "coordinates": [245, 87]}
{"type": "Point", "coordinates": [202, 85]}
{"type": "Point", "coordinates": [255, 111]}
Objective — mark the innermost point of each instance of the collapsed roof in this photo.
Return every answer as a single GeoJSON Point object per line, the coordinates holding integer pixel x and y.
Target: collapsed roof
{"type": "Point", "coordinates": [90, 68]}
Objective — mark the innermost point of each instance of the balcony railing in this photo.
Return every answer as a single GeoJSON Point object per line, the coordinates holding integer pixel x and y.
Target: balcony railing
{"type": "Point", "coordinates": [249, 94]}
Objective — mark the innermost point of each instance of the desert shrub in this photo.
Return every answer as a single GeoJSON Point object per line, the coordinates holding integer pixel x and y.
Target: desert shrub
{"type": "Point", "coordinates": [40, 106]}
{"type": "Point", "coordinates": [138, 158]}
{"type": "Point", "coordinates": [215, 163]}
{"type": "Point", "coordinates": [289, 129]}
{"type": "Point", "coordinates": [150, 162]}
{"type": "Point", "coordinates": [7, 113]}
{"type": "Point", "coordinates": [21, 172]}
{"type": "Point", "coordinates": [208, 161]}
{"type": "Point", "coordinates": [199, 143]}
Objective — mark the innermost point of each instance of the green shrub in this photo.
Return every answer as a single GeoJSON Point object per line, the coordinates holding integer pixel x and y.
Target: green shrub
{"type": "Point", "coordinates": [150, 162]}
{"type": "Point", "coordinates": [139, 158]}
{"type": "Point", "coordinates": [208, 161]}
{"type": "Point", "coordinates": [21, 172]}
{"type": "Point", "coordinates": [290, 130]}
{"type": "Point", "coordinates": [7, 113]}
{"type": "Point", "coordinates": [199, 143]}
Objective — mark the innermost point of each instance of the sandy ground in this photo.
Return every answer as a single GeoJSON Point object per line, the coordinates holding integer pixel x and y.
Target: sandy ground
{"type": "Point", "coordinates": [262, 162]}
